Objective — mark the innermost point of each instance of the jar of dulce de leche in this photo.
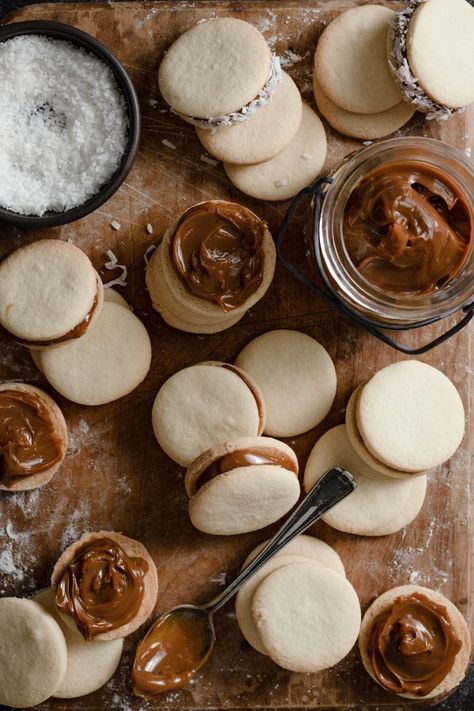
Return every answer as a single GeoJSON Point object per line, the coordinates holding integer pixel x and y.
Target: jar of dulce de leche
{"type": "Point", "coordinates": [393, 236]}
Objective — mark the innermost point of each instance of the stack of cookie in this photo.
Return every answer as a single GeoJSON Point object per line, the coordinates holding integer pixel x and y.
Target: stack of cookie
{"type": "Point", "coordinates": [221, 76]}
{"type": "Point", "coordinates": [373, 67]}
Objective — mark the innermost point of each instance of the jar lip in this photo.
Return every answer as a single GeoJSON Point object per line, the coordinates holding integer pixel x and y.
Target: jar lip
{"type": "Point", "coordinates": [344, 275]}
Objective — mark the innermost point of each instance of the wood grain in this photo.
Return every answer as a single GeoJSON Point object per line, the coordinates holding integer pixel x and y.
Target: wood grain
{"type": "Point", "coordinates": [115, 476]}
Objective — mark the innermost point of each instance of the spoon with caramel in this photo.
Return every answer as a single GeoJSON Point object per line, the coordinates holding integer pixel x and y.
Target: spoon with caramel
{"type": "Point", "coordinates": [180, 641]}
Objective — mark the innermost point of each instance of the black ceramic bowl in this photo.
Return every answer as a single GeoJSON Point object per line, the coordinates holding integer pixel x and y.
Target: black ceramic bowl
{"type": "Point", "coordinates": [58, 30]}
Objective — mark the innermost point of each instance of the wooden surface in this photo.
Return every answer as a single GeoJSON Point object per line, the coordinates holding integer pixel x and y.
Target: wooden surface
{"type": "Point", "coordinates": [115, 476]}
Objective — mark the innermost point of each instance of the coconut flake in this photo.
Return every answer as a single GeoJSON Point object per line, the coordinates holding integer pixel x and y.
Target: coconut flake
{"type": "Point", "coordinates": [112, 264]}
{"type": "Point", "coordinates": [168, 144]}
{"type": "Point", "coordinates": [148, 251]}
{"type": "Point", "coordinates": [208, 160]}
{"type": "Point", "coordinates": [149, 228]}
{"type": "Point", "coordinates": [115, 225]}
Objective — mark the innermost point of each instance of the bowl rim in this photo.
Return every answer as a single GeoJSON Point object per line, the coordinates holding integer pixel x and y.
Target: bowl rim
{"type": "Point", "coordinates": [69, 33]}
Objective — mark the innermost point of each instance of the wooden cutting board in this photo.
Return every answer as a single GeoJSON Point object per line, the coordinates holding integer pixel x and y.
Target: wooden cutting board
{"type": "Point", "coordinates": [115, 476]}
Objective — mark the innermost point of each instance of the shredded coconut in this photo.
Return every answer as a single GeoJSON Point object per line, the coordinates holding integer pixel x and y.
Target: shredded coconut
{"type": "Point", "coordinates": [208, 160]}
{"type": "Point", "coordinates": [63, 125]}
{"type": "Point", "coordinates": [112, 264]}
{"type": "Point", "coordinates": [115, 225]}
{"type": "Point", "coordinates": [168, 144]}
{"type": "Point", "coordinates": [149, 250]}
{"type": "Point", "coordinates": [149, 228]}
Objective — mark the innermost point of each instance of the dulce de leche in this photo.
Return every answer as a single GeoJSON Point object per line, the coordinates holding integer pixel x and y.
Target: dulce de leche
{"type": "Point", "coordinates": [101, 588]}
{"type": "Point", "coordinates": [217, 252]}
{"type": "Point", "coordinates": [29, 440]}
{"type": "Point", "coordinates": [246, 458]}
{"type": "Point", "coordinates": [408, 228]}
{"type": "Point", "coordinates": [412, 646]}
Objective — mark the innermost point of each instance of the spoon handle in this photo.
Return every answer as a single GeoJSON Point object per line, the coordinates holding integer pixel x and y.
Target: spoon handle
{"type": "Point", "coordinates": [334, 486]}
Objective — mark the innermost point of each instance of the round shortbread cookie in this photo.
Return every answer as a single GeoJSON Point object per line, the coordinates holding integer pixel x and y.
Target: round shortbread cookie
{"type": "Point", "coordinates": [243, 601]}
{"type": "Point", "coordinates": [190, 307]}
{"type": "Point", "coordinates": [380, 505]}
{"type": "Point", "coordinates": [362, 126]}
{"type": "Point", "coordinates": [170, 310]}
{"type": "Point", "coordinates": [296, 376]}
{"type": "Point", "coordinates": [91, 664]}
{"type": "Point", "coordinates": [295, 167]}
{"type": "Point", "coordinates": [384, 601]}
{"type": "Point", "coordinates": [244, 499]}
{"type": "Point", "coordinates": [307, 616]}
{"type": "Point", "coordinates": [410, 416]}
{"type": "Point", "coordinates": [33, 653]}
{"type": "Point", "coordinates": [359, 446]}
{"type": "Point", "coordinates": [112, 295]}
{"type": "Point", "coordinates": [47, 288]}
{"type": "Point", "coordinates": [33, 481]}
{"type": "Point", "coordinates": [200, 407]}
{"type": "Point", "coordinates": [108, 362]}
{"type": "Point", "coordinates": [132, 548]}
{"type": "Point", "coordinates": [350, 61]}
{"type": "Point", "coordinates": [440, 50]}
{"type": "Point", "coordinates": [215, 68]}
{"type": "Point", "coordinates": [264, 135]}
{"type": "Point", "coordinates": [308, 547]}
{"type": "Point", "coordinates": [36, 358]}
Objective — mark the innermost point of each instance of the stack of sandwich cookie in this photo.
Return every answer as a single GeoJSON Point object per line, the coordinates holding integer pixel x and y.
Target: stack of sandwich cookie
{"type": "Point", "coordinates": [221, 77]}
{"type": "Point", "coordinates": [415, 643]}
{"type": "Point", "coordinates": [300, 609]}
{"type": "Point", "coordinates": [67, 641]}
{"type": "Point", "coordinates": [33, 437]}
{"type": "Point", "coordinates": [213, 264]}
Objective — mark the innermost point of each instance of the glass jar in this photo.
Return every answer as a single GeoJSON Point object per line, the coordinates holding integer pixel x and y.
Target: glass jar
{"type": "Point", "coordinates": [341, 276]}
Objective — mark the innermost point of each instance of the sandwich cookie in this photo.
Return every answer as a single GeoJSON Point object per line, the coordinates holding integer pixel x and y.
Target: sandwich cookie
{"type": "Point", "coordinates": [218, 73]}
{"type": "Point", "coordinates": [105, 585]}
{"type": "Point", "coordinates": [380, 506]}
{"type": "Point", "coordinates": [362, 126]}
{"type": "Point", "coordinates": [50, 294]}
{"type": "Point", "coordinates": [204, 405]}
{"type": "Point", "coordinates": [300, 549]}
{"type": "Point", "coordinates": [213, 264]}
{"type": "Point", "coordinates": [431, 55]}
{"type": "Point", "coordinates": [91, 664]}
{"type": "Point", "coordinates": [33, 653]}
{"type": "Point", "coordinates": [410, 416]}
{"type": "Point", "coordinates": [415, 643]}
{"type": "Point", "coordinates": [242, 485]}
{"type": "Point", "coordinates": [350, 62]}
{"type": "Point", "coordinates": [307, 616]}
{"type": "Point", "coordinates": [262, 137]}
{"type": "Point", "coordinates": [296, 376]}
{"type": "Point", "coordinates": [33, 437]}
{"type": "Point", "coordinates": [291, 170]}
{"type": "Point", "coordinates": [108, 362]}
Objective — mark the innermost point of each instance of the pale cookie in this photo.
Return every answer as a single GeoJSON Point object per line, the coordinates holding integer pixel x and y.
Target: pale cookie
{"type": "Point", "coordinates": [111, 294]}
{"type": "Point", "coordinates": [242, 485]}
{"type": "Point", "coordinates": [410, 416]}
{"type": "Point", "coordinates": [33, 653]}
{"type": "Point", "coordinates": [380, 505]}
{"type": "Point", "coordinates": [24, 433]}
{"type": "Point", "coordinates": [296, 376]}
{"type": "Point", "coordinates": [215, 68]}
{"type": "Point", "coordinates": [384, 603]}
{"type": "Point", "coordinates": [107, 363]}
{"type": "Point", "coordinates": [264, 135]}
{"type": "Point", "coordinates": [90, 665]}
{"type": "Point", "coordinates": [309, 547]}
{"type": "Point", "coordinates": [294, 168]}
{"type": "Point", "coordinates": [171, 311]}
{"type": "Point", "coordinates": [307, 616]}
{"type": "Point", "coordinates": [362, 126]}
{"type": "Point", "coordinates": [350, 62]}
{"type": "Point", "coordinates": [440, 50]}
{"type": "Point", "coordinates": [131, 548]}
{"type": "Point", "coordinates": [202, 406]}
{"type": "Point", "coordinates": [49, 293]}
{"type": "Point", "coordinates": [243, 601]}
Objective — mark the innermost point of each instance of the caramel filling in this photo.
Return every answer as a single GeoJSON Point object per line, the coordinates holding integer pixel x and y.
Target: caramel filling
{"type": "Point", "coordinates": [252, 389]}
{"type": "Point", "coordinates": [245, 458]}
{"type": "Point", "coordinates": [412, 646]}
{"type": "Point", "coordinates": [217, 252]}
{"type": "Point", "coordinates": [75, 332]}
{"type": "Point", "coordinates": [29, 440]}
{"type": "Point", "coordinates": [408, 229]}
{"type": "Point", "coordinates": [173, 650]}
{"type": "Point", "coordinates": [102, 588]}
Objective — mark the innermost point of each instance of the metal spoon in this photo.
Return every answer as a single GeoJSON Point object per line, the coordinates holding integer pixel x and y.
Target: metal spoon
{"type": "Point", "coordinates": [181, 641]}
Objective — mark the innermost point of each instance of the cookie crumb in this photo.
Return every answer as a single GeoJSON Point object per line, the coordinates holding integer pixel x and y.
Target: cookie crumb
{"type": "Point", "coordinates": [115, 225]}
